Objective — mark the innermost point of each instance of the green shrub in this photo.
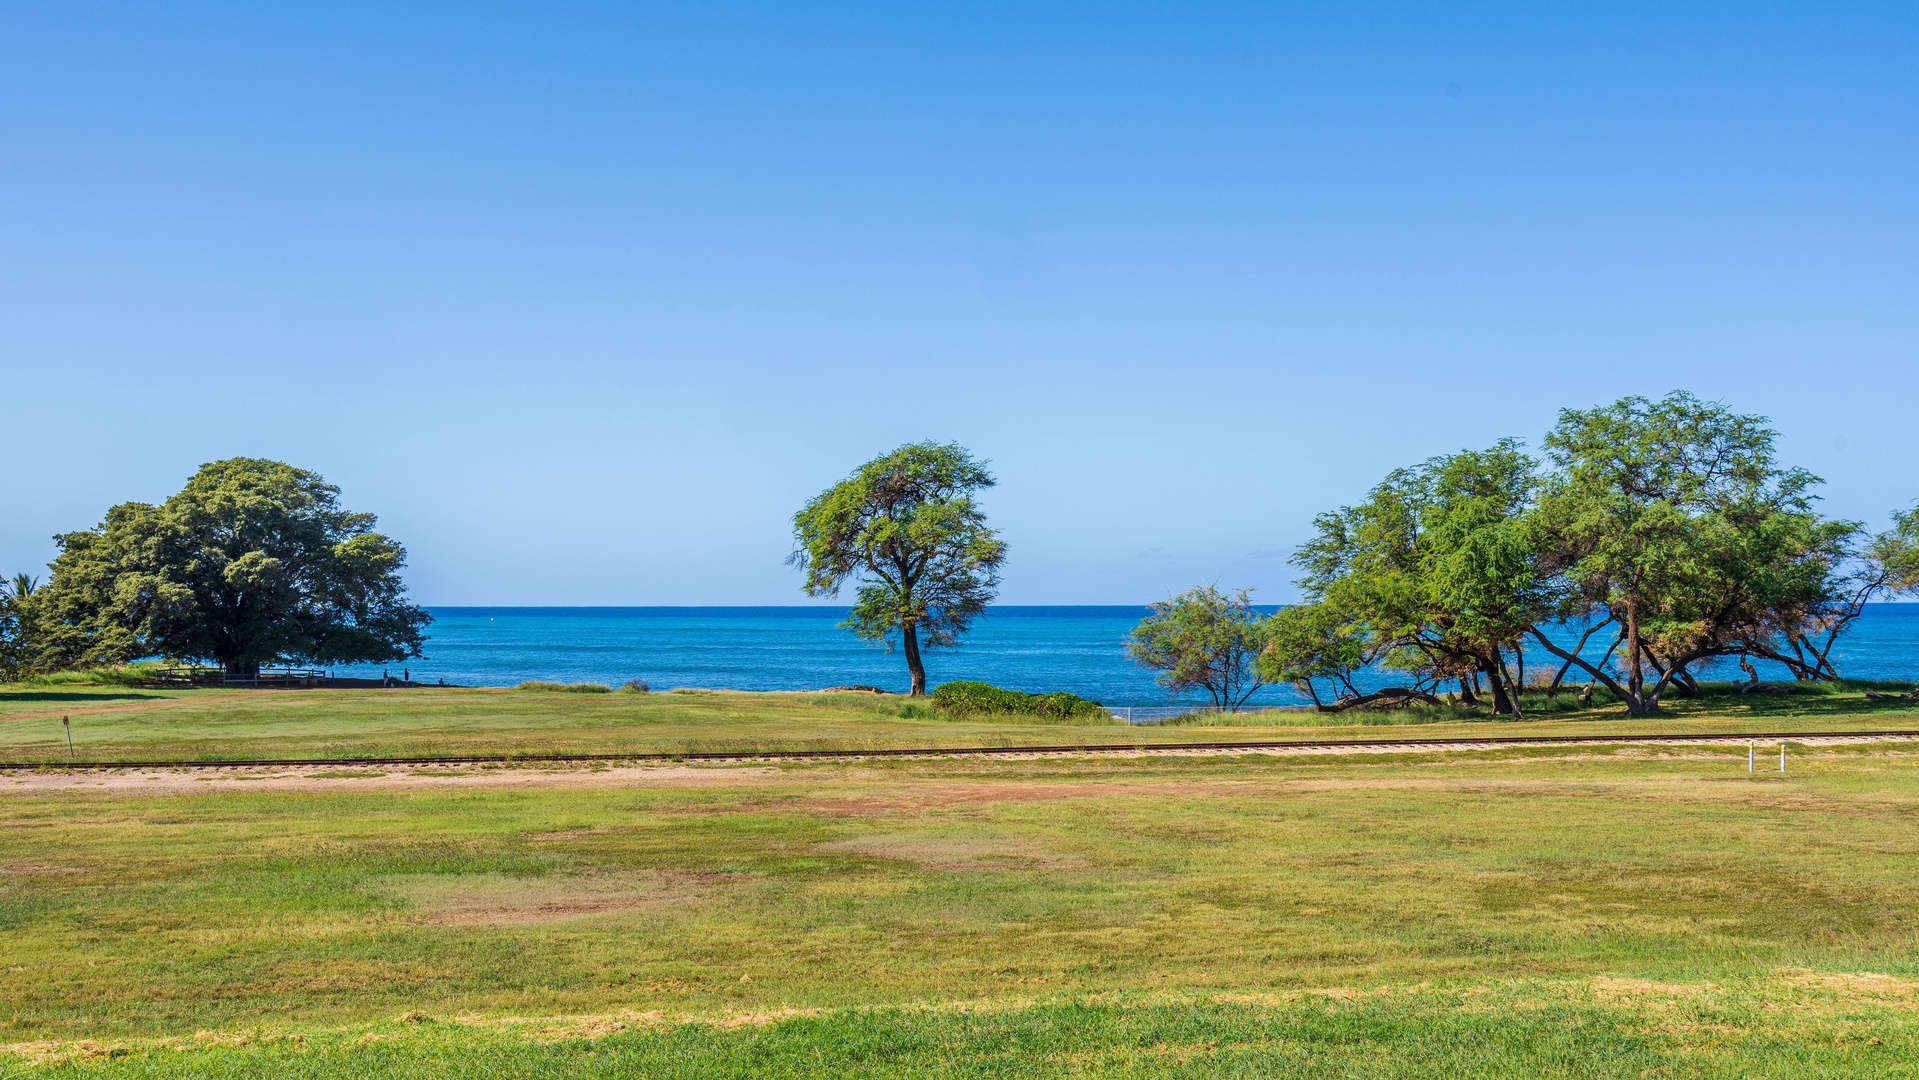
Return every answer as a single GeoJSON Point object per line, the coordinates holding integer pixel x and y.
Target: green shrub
{"type": "Point", "coordinates": [1065, 706]}
{"type": "Point", "coordinates": [566, 688]}
{"type": "Point", "coordinates": [962, 698]}
{"type": "Point", "coordinates": [975, 697]}
{"type": "Point", "coordinates": [119, 675]}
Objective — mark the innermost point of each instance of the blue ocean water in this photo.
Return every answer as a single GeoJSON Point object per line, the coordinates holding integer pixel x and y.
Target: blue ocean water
{"type": "Point", "coordinates": [1035, 649]}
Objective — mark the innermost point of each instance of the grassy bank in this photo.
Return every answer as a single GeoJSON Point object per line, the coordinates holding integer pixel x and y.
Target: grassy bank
{"type": "Point", "coordinates": [111, 721]}
{"type": "Point", "coordinates": [1499, 913]}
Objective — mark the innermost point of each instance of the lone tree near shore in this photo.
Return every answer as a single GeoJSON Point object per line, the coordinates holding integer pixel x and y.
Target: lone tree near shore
{"type": "Point", "coordinates": [1203, 639]}
{"type": "Point", "coordinates": [253, 562]}
{"type": "Point", "coordinates": [906, 526]}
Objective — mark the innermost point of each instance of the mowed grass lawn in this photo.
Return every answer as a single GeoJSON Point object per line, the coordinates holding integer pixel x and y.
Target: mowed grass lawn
{"type": "Point", "coordinates": [1574, 912]}
{"type": "Point", "coordinates": [109, 722]}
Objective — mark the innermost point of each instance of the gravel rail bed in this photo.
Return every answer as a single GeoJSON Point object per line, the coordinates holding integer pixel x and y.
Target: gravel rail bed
{"type": "Point", "coordinates": [1320, 746]}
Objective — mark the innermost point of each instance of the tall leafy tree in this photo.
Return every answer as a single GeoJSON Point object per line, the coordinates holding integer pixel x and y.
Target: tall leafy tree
{"type": "Point", "coordinates": [1673, 522]}
{"type": "Point", "coordinates": [1667, 526]}
{"type": "Point", "coordinates": [1204, 639]}
{"type": "Point", "coordinates": [906, 527]}
{"type": "Point", "coordinates": [1433, 572]}
{"type": "Point", "coordinates": [253, 562]}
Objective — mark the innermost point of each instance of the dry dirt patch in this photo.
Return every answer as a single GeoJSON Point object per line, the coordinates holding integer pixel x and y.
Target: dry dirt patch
{"type": "Point", "coordinates": [955, 853]}
{"type": "Point", "coordinates": [1638, 991]}
{"type": "Point", "coordinates": [501, 900]}
{"type": "Point", "coordinates": [1866, 986]}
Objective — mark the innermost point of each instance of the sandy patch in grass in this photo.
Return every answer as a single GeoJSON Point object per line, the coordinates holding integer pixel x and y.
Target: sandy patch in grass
{"type": "Point", "coordinates": [1636, 991]}
{"type": "Point", "coordinates": [1869, 986]}
{"type": "Point", "coordinates": [955, 853]}
{"type": "Point", "coordinates": [46, 1053]}
{"type": "Point", "coordinates": [502, 900]}
{"type": "Point", "coordinates": [590, 1029]}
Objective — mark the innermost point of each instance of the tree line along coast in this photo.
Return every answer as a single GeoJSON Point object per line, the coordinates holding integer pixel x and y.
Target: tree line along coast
{"type": "Point", "coordinates": [1650, 539]}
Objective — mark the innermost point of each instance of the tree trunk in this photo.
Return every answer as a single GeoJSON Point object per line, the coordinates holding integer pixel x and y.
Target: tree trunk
{"type": "Point", "coordinates": [1634, 706]}
{"type": "Point", "coordinates": [240, 669]}
{"type": "Point", "coordinates": [1519, 678]}
{"type": "Point", "coordinates": [1552, 688]}
{"type": "Point", "coordinates": [1635, 661]}
{"type": "Point", "coordinates": [911, 634]}
{"type": "Point", "coordinates": [1397, 695]}
{"type": "Point", "coordinates": [1466, 695]}
{"type": "Point", "coordinates": [1502, 705]}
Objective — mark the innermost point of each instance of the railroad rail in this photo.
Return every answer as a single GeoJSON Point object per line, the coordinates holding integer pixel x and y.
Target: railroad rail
{"type": "Point", "coordinates": [1070, 749]}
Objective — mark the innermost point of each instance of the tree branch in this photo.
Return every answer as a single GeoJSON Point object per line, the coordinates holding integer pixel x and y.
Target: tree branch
{"type": "Point", "coordinates": [1598, 676]}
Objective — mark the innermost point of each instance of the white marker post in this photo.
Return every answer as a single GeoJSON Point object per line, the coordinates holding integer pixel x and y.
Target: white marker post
{"type": "Point", "coordinates": [1782, 757]}
{"type": "Point", "coordinates": [1749, 759]}
{"type": "Point", "coordinates": [67, 722]}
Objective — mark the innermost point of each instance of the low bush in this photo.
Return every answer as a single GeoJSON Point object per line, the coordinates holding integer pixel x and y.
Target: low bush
{"type": "Point", "coordinates": [963, 698]}
{"type": "Point", "coordinates": [566, 688]}
{"type": "Point", "coordinates": [120, 675]}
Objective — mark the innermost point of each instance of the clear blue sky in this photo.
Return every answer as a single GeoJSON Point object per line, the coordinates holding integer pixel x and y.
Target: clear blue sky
{"type": "Point", "coordinates": [584, 301]}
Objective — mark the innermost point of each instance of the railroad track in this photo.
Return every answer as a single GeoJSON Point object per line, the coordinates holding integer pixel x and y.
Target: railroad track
{"type": "Point", "coordinates": [1254, 746]}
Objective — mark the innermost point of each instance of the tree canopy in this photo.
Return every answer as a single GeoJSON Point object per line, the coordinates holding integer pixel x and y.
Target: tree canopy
{"type": "Point", "coordinates": [1673, 522]}
{"type": "Point", "coordinates": [1432, 573]}
{"type": "Point", "coordinates": [16, 650]}
{"type": "Point", "coordinates": [1667, 526]}
{"type": "Point", "coordinates": [1307, 644]}
{"type": "Point", "coordinates": [906, 527]}
{"type": "Point", "coordinates": [253, 562]}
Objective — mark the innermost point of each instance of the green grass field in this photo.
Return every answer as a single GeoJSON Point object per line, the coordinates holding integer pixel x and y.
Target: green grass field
{"type": "Point", "coordinates": [114, 722]}
{"type": "Point", "coordinates": [1580, 911]}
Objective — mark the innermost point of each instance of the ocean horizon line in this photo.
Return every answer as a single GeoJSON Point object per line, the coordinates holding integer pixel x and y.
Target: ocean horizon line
{"type": "Point", "coordinates": [794, 608]}
{"type": "Point", "coordinates": [803, 610]}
